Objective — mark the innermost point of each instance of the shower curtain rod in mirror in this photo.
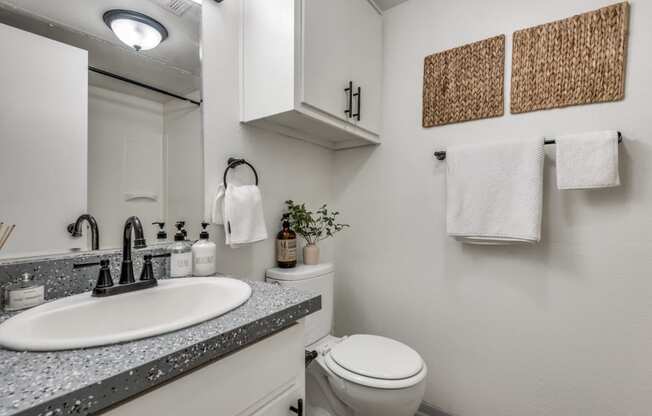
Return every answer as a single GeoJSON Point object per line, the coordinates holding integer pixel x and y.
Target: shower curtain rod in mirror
{"type": "Point", "coordinates": [140, 84]}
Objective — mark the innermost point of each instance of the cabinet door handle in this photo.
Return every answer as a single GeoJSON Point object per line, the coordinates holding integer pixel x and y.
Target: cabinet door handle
{"type": "Point", "coordinates": [349, 94]}
{"type": "Point", "coordinates": [299, 409]}
{"type": "Point", "coordinates": [359, 97]}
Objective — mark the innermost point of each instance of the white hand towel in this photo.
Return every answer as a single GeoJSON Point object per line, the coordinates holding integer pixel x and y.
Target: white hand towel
{"type": "Point", "coordinates": [243, 218]}
{"type": "Point", "coordinates": [588, 160]}
{"type": "Point", "coordinates": [494, 192]}
{"type": "Point", "coordinates": [217, 210]}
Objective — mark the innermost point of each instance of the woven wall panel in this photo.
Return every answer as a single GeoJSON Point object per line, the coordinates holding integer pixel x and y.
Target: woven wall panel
{"type": "Point", "coordinates": [579, 60]}
{"type": "Point", "coordinates": [464, 83]}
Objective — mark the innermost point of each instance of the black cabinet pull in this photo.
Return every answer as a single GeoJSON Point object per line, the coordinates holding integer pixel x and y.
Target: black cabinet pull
{"type": "Point", "coordinates": [299, 409]}
{"type": "Point", "coordinates": [349, 94]}
{"type": "Point", "coordinates": [359, 96]}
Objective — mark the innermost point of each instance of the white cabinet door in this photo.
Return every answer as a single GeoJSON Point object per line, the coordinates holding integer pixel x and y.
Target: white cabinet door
{"type": "Point", "coordinates": [326, 55]}
{"type": "Point", "coordinates": [366, 63]}
{"type": "Point", "coordinates": [281, 405]}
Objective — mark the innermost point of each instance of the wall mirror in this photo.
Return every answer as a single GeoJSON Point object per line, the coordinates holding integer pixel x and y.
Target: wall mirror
{"type": "Point", "coordinates": [100, 114]}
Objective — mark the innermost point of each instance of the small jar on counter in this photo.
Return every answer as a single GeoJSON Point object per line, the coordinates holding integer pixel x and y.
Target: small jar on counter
{"type": "Point", "coordinates": [22, 295]}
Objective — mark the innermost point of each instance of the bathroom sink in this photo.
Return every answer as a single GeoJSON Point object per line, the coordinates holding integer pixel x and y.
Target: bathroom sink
{"type": "Point", "coordinates": [81, 321]}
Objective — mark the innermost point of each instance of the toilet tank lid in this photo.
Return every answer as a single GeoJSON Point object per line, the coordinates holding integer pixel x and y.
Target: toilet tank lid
{"type": "Point", "coordinates": [301, 272]}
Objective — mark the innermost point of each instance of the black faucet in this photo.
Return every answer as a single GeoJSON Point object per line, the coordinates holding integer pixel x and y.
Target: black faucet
{"type": "Point", "coordinates": [127, 283]}
{"type": "Point", "coordinates": [127, 271]}
{"type": "Point", "coordinates": [75, 229]}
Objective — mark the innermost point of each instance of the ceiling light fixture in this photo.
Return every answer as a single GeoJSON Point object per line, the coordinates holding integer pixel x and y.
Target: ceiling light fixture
{"type": "Point", "coordinates": [135, 29]}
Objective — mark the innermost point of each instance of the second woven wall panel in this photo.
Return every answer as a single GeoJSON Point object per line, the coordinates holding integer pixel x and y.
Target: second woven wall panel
{"type": "Point", "coordinates": [464, 83]}
{"type": "Point", "coordinates": [579, 60]}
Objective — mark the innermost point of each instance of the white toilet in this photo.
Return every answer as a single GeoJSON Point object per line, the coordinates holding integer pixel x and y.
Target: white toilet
{"type": "Point", "coordinates": [357, 375]}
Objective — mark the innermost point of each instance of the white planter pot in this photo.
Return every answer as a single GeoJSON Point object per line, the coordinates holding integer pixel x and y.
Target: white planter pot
{"type": "Point", "coordinates": [311, 254]}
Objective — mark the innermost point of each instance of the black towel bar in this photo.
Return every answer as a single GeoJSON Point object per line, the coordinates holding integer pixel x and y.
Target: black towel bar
{"type": "Point", "coordinates": [441, 155]}
{"type": "Point", "coordinates": [232, 163]}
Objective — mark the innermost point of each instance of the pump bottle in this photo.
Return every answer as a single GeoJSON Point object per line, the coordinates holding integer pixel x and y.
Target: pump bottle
{"type": "Point", "coordinates": [180, 253]}
{"type": "Point", "coordinates": [203, 254]}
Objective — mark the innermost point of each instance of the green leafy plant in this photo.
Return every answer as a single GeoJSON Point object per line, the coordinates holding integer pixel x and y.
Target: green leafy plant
{"type": "Point", "coordinates": [313, 226]}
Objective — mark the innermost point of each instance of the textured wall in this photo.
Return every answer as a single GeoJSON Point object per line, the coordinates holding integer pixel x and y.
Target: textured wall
{"type": "Point", "coordinates": [561, 328]}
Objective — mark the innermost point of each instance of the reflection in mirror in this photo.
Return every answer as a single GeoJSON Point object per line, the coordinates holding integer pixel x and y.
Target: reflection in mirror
{"type": "Point", "coordinates": [100, 115]}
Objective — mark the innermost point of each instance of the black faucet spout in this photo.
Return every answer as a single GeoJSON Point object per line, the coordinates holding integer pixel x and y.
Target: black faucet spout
{"type": "Point", "coordinates": [75, 229]}
{"type": "Point", "coordinates": [127, 270]}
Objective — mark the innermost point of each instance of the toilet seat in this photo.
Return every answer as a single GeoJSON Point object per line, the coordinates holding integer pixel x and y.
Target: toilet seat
{"type": "Point", "coordinates": [376, 362]}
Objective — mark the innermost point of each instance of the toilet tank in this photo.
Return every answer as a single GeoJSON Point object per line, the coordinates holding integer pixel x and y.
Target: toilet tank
{"type": "Point", "coordinates": [318, 279]}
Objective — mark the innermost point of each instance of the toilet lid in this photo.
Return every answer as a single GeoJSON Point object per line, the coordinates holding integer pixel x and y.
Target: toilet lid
{"type": "Point", "coordinates": [377, 357]}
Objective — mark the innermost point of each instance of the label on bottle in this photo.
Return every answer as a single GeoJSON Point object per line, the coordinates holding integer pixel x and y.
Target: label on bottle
{"type": "Point", "coordinates": [286, 250]}
{"type": "Point", "coordinates": [204, 260]}
{"type": "Point", "coordinates": [24, 298]}
{"type": "Point", "coordinates": [181, 264]}
{"type": "Point", "coordinates": [204, 265]}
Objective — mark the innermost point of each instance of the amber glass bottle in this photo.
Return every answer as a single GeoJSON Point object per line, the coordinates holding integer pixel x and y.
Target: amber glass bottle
{"type": "Point", "coordinates": [286, 245]}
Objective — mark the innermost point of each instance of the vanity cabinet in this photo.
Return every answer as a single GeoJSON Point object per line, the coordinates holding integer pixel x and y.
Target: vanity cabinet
{"type": "Point", "coordinates": [264, 379]}
{"type": "Point", "coordinates": [312, 69]}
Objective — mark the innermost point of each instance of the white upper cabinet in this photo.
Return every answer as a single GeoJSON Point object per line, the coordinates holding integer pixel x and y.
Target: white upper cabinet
{"type": "Point", "coordinates": [312, 69]}
{"type": "Point", "coordinates": [327, 54]}
{"type": "Point", "coordinates": [367, 64]}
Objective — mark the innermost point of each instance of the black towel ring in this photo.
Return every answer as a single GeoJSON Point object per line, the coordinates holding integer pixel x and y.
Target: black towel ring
{"type": "Point", "coordinates": [232, 163]}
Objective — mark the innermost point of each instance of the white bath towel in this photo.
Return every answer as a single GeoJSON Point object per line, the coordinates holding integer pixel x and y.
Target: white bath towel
{"type": "Point", "coordinates": [494, 192]}
{"type": "Point", "coordinates": [588, 160]}
{"type": "Point", "coordinates": [240, 210]}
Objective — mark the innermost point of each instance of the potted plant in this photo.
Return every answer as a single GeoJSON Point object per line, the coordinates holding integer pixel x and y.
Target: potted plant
{"type": "Point", "coordinates": [313, 227]}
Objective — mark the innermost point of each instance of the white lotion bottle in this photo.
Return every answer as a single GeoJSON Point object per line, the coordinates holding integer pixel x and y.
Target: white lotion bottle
{"type": "Point", "coordinates": [180, 254]}
{"type": "Point", "coordinates": [203, 254]}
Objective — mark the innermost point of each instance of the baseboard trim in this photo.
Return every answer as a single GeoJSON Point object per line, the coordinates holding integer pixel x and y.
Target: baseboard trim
{"type": "Point", "coordinates": [426, 409]}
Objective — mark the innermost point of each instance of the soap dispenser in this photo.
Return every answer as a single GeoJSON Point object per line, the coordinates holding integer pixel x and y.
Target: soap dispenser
{"type": "Point", "coordinates": [180, 253]}
{"type": "Point", "coordinates": [286, 245]}
{"type": "Point", "coordinates": [203, 254]}
{"type": "Point", "coordinates": [161, 235]}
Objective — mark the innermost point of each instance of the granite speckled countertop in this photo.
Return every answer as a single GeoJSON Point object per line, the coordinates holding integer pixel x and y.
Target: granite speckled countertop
{"type": "Point", "coordinates": [85, 381]}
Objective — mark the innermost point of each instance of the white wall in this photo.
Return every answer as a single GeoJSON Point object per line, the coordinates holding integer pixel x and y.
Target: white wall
{"type": "Point", "coordinates": [43, 102]}
{"type": "Point", "coordinates": [125, 148]}
{"type": "Point", "coordinates": [561, 328]}
{"type": "Point", "coordinates": [287, 168]}
{"type": "Point", "coordinates": [184, 171]}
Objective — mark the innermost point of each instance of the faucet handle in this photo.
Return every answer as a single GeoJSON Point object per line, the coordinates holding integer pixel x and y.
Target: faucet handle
{"type": "Point", "coordinates": [148, 269]}
{"type": "Point", "coordinates": [104, 279]}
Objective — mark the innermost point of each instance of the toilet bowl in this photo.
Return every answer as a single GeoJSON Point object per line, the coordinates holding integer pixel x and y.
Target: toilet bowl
{"type": "Point", "coordinates": [364, 375]}
{"type": "Point", "coordinates": [356, 375]}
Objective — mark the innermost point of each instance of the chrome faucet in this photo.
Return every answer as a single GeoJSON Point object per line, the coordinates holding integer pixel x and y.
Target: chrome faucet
{"type": "Point", "coordinates": [75, 229]}
{"type": "Point", "coordinates": [127, 271]}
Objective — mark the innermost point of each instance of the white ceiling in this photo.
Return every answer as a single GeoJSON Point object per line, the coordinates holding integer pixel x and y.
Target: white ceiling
{"type": "Point", "coordinates": [173, 66]}
{"type": "Point", "coordinates": [387, 4]}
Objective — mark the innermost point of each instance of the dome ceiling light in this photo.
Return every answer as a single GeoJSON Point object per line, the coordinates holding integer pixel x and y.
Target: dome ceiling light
{"type": "Point", "coordinates": [135, 29]}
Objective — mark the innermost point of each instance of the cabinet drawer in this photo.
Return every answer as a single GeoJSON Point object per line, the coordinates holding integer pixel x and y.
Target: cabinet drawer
{"type": "Point", "coordinates": [231, 385]}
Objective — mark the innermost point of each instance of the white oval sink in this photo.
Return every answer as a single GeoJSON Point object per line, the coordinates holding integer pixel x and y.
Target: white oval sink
{"type": "Point", "coordinates": [81, 321]}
